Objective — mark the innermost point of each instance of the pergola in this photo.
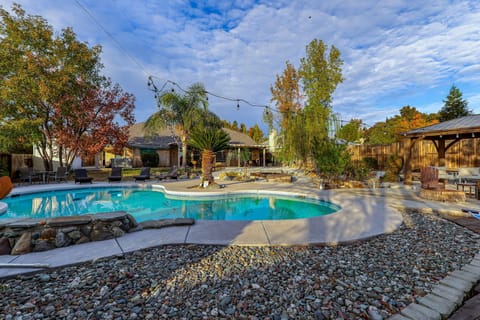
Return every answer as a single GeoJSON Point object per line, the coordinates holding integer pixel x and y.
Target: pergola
{"type": "Point", "coordinates": [452, 131]}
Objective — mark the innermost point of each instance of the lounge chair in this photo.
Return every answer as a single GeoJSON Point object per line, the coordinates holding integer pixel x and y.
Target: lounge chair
{"type": "Point", "coordinates": [115, 175]}
{"type": "Point", "coordinates": [59, 175]}
{"type": "Point", "coordinates": [173, 174]}
{"type": "Point", "coordinates": [144, 174]}
{"type": "Point", "coordinates": [81, 176]}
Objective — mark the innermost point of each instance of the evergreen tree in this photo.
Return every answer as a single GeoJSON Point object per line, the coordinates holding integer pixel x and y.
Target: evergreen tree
{"type": "Point", "coordinates": [454, 106]}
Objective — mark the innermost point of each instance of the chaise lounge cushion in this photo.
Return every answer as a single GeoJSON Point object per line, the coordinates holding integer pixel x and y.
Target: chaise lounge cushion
{"type": "Point", "coordinates": [116, 174]}
{"type": "Point", "coordinates": [144, 174]}
{"type": "Point", "coordinates": [81, 176]}
{"type": "Point", "coordinates": [173, 174]}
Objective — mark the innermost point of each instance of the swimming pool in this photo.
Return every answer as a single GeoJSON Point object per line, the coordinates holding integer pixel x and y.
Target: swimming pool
{"type": "Point", "coordinates": [150, 204]}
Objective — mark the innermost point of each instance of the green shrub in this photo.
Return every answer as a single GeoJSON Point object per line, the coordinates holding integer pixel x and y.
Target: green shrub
{"type": "Point", "coordinates": [357, 170]}
{"type": "Point", "coordinates": [331, 159]}
{"type": "Point", "coordinates": [393, 168]}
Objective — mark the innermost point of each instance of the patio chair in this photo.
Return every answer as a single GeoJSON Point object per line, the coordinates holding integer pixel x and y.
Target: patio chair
{"type": "Point", "coordinates": [144, 174]}
{"type": "Point", "coordinates": [429, 178]}
{"type": "Point", "coordinates": [115, 175]}
{"type": "Point", "coordinates": [81, 176]}
{"type": "Point", "coordinates": [173, 174]}
{"type": "Point", "coordinates": [59, 175]}
{"type": "Point", "coordinates": [28, 175]}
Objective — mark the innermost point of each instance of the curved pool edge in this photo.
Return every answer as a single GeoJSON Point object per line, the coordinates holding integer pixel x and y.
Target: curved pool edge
{"type": "Point", "coordinates": [3, 208]}
{"type": "Point", "coordinates": [360, 217]}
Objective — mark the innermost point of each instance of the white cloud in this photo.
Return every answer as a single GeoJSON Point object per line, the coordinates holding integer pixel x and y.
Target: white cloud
{"type": "Point", "coordinates": [395, 52]}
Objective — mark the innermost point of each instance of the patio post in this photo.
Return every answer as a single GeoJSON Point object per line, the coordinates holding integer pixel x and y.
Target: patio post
{"type": "Point", "coordinates": [264, 156]}
{"type": "Point", "coordinates": [441, 152]}
{"type": "Point", "coordinates": [407, 158]}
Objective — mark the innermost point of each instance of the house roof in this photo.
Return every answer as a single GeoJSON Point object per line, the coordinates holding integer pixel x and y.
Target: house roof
{"type": "Point", "coordinates": [463, 125]}
{"type": "Point", "coordinates": [162, 139]}
{"type": "Point", "coordinates": [240, 139]}
{"type": "Point", "coordinates": [165, 138]}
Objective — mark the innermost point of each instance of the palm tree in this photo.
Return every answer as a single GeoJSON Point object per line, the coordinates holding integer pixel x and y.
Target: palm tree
{"type": "Point", "coordinates": [209, 139]}
{"type": "Point", "coordinates": [179, 111]}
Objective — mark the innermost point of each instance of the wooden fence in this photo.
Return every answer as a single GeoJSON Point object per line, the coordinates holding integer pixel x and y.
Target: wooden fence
{"type": "Point", "coordinates": [13, 162]}
{"type": "Point", "coordinates": [465, 153]}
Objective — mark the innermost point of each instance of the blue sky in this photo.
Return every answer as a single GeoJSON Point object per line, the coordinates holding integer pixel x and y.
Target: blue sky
{"type": "Point", "coordinates": [395, 53]}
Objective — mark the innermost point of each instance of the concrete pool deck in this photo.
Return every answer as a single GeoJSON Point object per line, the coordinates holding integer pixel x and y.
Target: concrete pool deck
{"type": "Point", "coordinates": [365, 213]}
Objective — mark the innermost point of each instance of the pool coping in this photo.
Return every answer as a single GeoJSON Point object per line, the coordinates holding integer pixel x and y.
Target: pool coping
{"type": "Point", "coordinates": [359, 218]}
{"type": "Point", "coordinates": [373, 203]}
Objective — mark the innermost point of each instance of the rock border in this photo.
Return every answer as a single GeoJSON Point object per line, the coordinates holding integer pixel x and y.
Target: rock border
{"type": "Point", "coordinates": [450, 293]}
{"type": "Point", "coordinates": [446, 296]}
{"type": "Point", "coordinates": [20, 236]}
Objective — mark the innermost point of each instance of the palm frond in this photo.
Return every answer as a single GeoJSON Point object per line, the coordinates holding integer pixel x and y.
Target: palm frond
{"type": "Point", "coordinates": [209, 139]}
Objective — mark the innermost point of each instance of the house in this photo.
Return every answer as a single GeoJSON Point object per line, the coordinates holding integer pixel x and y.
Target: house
{"type": "Point", "coordinates": [163, 149]}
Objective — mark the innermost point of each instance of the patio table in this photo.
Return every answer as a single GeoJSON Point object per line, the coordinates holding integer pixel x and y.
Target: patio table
{"type": "Point", "coordinates": [44, 174]}
{"type": "Point", "coordinates": [471, 186]}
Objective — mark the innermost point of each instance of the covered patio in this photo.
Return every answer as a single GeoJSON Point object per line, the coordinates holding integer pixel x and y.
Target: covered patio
{"type": "Point", "coordinates": [443, 135]}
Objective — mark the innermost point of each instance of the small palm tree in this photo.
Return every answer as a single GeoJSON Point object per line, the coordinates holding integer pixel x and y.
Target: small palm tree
{"type": "Point", "coordinates": [210, 140]}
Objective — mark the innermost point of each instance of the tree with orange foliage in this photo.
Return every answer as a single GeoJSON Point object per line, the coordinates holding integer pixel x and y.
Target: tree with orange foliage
{"type": "Point", "coordinates": [390, 130]}
{"type": "Point", "coordinates": [92, 123]}
{"type": "Point", "coordinates": [286, 93]}
{"type": "Point", "coordinates": [52, 94]}
{"type": "Point", "coordinates": [410, 118]}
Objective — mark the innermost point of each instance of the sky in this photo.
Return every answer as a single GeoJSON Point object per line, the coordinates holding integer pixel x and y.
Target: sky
{"type": "Point", "coordinates": [395, 52]}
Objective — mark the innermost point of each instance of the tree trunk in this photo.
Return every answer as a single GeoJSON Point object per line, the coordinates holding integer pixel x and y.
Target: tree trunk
{"type": "Point", "coordinates": [184, 152]}
{"type": "Point", "coordinates": [60, 156]}
{"type": "Point", "coordinates": [47, 161]}
{"type": "Point", "coordinates": [208, 157]}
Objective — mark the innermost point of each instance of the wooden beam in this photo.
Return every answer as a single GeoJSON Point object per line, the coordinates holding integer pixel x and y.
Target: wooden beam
{"type": "Point", "coordinates": [452, 143]}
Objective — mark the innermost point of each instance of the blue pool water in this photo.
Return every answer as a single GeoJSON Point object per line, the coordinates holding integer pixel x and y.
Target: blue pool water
{"type": "Point", "coordinates": [148, 204]}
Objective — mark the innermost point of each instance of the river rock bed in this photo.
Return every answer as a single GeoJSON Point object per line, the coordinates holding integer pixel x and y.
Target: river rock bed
{"type": "Point", "coordinates": [370, 279]}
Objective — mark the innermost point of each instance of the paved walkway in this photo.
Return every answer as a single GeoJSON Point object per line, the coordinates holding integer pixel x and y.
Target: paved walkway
{"type": "Point", "coordinates": [365, 213]}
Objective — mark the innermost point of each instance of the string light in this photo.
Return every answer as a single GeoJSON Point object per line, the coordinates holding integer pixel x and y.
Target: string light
{"type": "Point", "coordinates": [151, 86]}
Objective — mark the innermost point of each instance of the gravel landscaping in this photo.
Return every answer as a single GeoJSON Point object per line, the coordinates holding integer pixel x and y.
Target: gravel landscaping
{"type": "Point", "coordinates": [370, 279]}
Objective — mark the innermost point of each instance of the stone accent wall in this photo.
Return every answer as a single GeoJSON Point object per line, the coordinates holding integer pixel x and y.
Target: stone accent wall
{"type": "Point", "coordinates": [443, 195]}
{"type": "Point", "coordinates": [30, 235]}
